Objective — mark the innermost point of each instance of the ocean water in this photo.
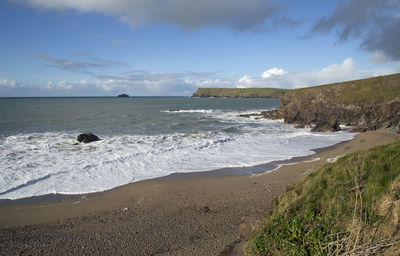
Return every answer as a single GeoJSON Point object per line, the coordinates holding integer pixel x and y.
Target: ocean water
{"type": "Point", "coordinates": [140, 139]}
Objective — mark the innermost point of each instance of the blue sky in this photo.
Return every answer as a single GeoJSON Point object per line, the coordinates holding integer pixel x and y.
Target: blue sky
{"type": "Point", "coordinates": [172, 47]}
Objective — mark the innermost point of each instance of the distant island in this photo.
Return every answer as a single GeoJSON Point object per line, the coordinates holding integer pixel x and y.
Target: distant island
{"type": "Point", "coordinates": [239, 92]}
{"type": "Point", "coordinates": [123, 95]}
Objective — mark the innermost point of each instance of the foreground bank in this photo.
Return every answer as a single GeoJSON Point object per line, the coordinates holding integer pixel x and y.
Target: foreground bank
{"type": "Point", "coordinates": [190, 216]}
{"type": "Point", "coordinates": [350, 207]}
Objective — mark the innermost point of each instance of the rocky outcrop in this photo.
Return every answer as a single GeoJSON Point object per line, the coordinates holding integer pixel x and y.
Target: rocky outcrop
{"type": "Point", "coordinates": [87, 137]}
{"type": "Point", "coordinates": [272, 114]}
{"type": "Point", "coordinates": [250, 115]}
{"type": "Point", "coordinates": [366, 104]}
{"type": "Point", "coordinates": [326, 126]}
{"type": "Point", "coordinates": [269, 114]}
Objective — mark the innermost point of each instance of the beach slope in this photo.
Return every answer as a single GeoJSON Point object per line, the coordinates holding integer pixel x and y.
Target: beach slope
{"type": "Point", "coordinates": [201, 215]}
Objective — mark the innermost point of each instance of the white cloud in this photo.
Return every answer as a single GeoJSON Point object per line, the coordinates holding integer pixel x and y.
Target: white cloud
{"type": "Point", "coordinates": [189, 14]}
{"type": "Point", "coordinates": [330, 74]}
{"type": "Point", "coordinates": [346, 67]}
{"type": "Point", "coordinates": [49, 85]}
{"type": "Point", "coordinates": [344, 71]}
{"type": "Point", "coordinates": [273, 72]}
{"type": "Point", "coordinates": [244, 82]}
{"type": "Point", "coordinates": [378, 57]}
{"type": "Point", "coordinates": [8, 83]}
{"type": "Point", "coordinates": [66, 85]}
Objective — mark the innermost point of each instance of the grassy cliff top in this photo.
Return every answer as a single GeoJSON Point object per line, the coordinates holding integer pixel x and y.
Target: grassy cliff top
{"type": "Point", "coordinates": [240, 92]}
{"type": "Point", "coordinates": [351, 205]}
{"type": "Point", "coordinates": [380, 88]}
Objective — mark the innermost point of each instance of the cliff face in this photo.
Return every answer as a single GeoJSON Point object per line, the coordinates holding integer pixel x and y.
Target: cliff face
{"type": "Point", "coordinates": [367, 104]}
{"type": "Point", "coordinates": [240, 92]}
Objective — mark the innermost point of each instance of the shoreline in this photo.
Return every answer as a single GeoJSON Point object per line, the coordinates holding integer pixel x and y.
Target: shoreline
{"type": "Point", "coordinates": [174, 216]}
{"type": "Point", "coordinates": [258, 169]}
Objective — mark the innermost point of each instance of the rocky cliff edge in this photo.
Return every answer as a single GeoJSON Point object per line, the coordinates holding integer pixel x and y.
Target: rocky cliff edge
{"type": "Point", "coordinates": [366, 104]}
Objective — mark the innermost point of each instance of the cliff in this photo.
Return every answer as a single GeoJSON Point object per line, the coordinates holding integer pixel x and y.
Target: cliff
{"type": "Point", "coordinates": [240, 92]}
{"type": "Point", "coordinates": [367, 104]}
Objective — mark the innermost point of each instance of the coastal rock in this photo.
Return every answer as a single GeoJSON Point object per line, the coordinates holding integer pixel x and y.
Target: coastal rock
{"type": "Point", "coordinates": [300, 126]}
{"type": "Point", "coordinates": [249, 115]}
{"type": "Point", "coordinates": [326, 127]}
{"type": "Point", "coordinates": [272, 114]}
{"type": "Point", "coordinates": [87, 137]}
{"type": "Point", "coordinates": [367, 104]}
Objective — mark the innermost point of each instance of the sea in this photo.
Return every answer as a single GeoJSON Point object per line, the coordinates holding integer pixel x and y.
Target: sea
{"type": "Point", "coordinates": [141, 138]}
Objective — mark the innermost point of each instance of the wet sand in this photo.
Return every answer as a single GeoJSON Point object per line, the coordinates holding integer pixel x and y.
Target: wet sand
{"type": "Point", "coordinates": [178, 215]}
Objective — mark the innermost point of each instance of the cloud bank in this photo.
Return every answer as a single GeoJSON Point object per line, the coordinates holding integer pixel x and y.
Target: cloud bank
{"type": "Point", "coordinates": [344, 71]}
{"type": "Point", "coordinates": [4, 82]}
{"type": "Point", "coordinates": [189, 14]}
{"type": "Point", "coordinates": [146, 83]}
{"type": "Point", "coordinates": [377, 23]}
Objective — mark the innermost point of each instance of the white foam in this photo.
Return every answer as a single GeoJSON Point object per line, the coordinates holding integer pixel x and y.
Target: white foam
{"type": "Point", "coordinates": [188, 111]}
{"type": "Point", "coordinates": [43, 163]}
{"type": "Point", "coordinates": [230, 116]}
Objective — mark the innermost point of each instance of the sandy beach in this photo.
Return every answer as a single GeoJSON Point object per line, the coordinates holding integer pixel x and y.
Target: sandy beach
{"type": "Point", "coordinates": [180, 215]}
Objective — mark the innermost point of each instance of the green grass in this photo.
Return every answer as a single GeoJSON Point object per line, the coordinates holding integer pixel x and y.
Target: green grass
{"type": "Point", "coordinates": [352, 205]}
{"type": "Point", "coordinates": [240, 92]}
{"type": "Point", "coordinates": [381, 88]}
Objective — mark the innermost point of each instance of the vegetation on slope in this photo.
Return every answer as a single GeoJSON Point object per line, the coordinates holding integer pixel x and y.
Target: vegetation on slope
{"type": "Point", "coordinates": [382, 88]}
{"type": "Point", "coordinates": [240, 92]}
{"type": "Point", "coordinates": [350, 207]}
{"type": "Point", "coordinates": [372, 102]}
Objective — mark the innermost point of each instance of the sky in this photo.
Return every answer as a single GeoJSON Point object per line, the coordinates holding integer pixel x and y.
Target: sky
{"type": "Point", "coordinates": [173, 47]}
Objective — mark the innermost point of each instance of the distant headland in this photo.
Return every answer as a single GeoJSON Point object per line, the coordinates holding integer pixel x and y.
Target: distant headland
{"type": "Point", "coordinates": [239, 92]}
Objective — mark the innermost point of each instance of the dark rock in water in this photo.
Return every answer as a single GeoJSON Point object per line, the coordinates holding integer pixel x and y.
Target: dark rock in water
{"type": "Point", "coordinates": [336, 127]}
{"type": "Point", "coordinates": [272, 114]}
{"type": "Point", "coordinates": [173, 110]}
{"type": "Point", "coordinates": [249, 115]}
{"type": "Point", "coordinates": [326, 127]}
{"type": "Point", "coordinates": [123, 95]}
{"type": "Point", "coordinates": [300, 126]}
{"type": "Point", "coordinates": [87, 137]}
